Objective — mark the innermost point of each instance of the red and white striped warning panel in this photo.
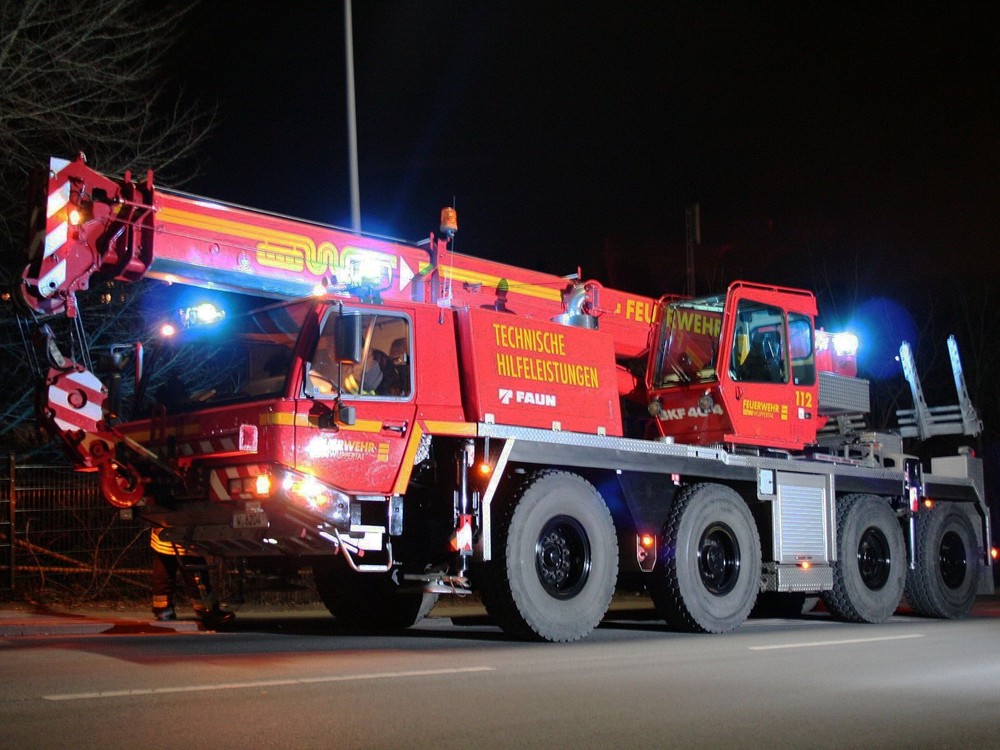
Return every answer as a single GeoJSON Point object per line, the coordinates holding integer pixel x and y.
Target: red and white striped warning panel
{"type": "Point", "coordinates": [76, 400]}
{"type": "Point", "coordinates": [54, 269]}
{"type": "Point", "coordinates": [236, 482]}
{"type": "Point", "coordinates": [241, 440]}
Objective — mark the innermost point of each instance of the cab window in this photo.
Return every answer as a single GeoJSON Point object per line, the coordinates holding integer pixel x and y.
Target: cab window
{"type": "Point", "coordinates": [800, 349]}
{"type": "Point", "coordinates": [759, 352]}
{"type": "Point", "coordinates": [383, 368]}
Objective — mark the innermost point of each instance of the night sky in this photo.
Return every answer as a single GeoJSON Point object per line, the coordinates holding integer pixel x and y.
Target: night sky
{"type": "Point", "coordinates": [820, 142]}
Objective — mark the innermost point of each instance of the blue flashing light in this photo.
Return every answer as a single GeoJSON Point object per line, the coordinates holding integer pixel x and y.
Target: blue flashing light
{"type": "Point", "coordinates": [883, 324]}
{"type": "Point", "coordinates": [204, 314]}
{"type": "Point", "coordinates": [845, 344]}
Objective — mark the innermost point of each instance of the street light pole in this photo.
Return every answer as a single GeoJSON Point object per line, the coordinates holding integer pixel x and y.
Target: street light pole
{"type": "Point", "coordinates": [352, 120]}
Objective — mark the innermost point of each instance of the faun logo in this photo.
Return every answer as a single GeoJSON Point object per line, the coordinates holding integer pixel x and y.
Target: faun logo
{"type": "Point", "coordinates": [506, 395]}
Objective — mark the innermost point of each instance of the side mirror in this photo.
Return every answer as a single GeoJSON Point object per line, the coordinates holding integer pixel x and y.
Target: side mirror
{"type": "Point", "coordinates": [348, 338]}
{"type": "Point", "coordinates": [346, 415]}
{"type": "Point", "coordinates": [331, 419]}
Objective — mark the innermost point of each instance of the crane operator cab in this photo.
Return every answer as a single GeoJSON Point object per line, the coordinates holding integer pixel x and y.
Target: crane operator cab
{"type": "Point", "coordinates": [737, 368]}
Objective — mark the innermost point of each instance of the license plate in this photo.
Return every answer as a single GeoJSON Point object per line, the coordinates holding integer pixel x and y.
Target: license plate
{"type": "Point", "coordinates": [249, 520]}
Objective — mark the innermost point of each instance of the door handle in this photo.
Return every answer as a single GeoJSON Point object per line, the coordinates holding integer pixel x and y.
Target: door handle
{"type": "Point", "coordinates": [398, 427]}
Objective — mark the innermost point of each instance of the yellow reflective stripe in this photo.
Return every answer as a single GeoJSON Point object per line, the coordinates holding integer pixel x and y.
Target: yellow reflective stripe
{"type": "Point", "coordinates": [449, 428]}
{"type": "Point", "coordinates": [363, 425]}
{"type": "Point", "coordinates": [284, 418]}
{"type": "Point", "coordinates": [185, 430]}
{"type": "Point", "coordinates": [164, 548]}
{"type": "Point", "coordinates": [406, 467]}
{"type": "Point", "coordinates": [287, 419]}
{"type": "Point", "coordinates": [240, 229]}
{"type": "Point", "coordinates": [490, 281]}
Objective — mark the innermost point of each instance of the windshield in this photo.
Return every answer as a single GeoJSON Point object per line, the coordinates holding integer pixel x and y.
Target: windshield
{"type": "Point", "coordinates": [689, 343]}
{"type": "Point", "coordinates": [245, 357]}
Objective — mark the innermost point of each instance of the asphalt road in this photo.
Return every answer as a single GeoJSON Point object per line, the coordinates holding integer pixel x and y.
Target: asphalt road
{"type": "Point", "coordinates": [459, 683]}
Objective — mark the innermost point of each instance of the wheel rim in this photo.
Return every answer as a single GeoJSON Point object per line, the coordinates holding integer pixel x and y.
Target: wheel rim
{"type": "Point", "coordinates": [874, 558]}
{"type": "Point", "coordinates": [953, 560]}
{"type": "Point", "coordinates": [719, 559]}
{"type": "Point", "coordinates": [562, 557]}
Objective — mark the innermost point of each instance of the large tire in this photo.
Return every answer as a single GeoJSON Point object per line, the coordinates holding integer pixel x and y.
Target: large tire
{"type": "Point", "coordinates": [870, 571]}
{"type": "Point", "coordinates": [555, 560]}
{"type": "Point", "coordinates": [946, 578]}
{"type": "Point", "coordinates": [708, 576]}
{"type": "Point", "coordinates": [369, 602]}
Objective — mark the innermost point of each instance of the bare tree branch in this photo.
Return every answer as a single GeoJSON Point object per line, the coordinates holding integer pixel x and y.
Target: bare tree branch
{"type": "Point", "coordinates": [89, 77]}
{"type": "Point", "coordinates": [84, 77]}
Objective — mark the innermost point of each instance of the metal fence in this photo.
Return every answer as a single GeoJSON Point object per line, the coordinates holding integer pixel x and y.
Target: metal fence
{"type": "Point", "coordinates": [60, 539]}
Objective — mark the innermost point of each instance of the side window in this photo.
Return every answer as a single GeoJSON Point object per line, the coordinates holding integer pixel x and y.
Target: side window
{"type": "Point", "coordinates": [800, 349]}
{"type": "Point", "coordinates": [384, 369]}
{"type": "Point", "coordinates": [759, 352]}
{"type": "Point", "coordinates": [323, 375]}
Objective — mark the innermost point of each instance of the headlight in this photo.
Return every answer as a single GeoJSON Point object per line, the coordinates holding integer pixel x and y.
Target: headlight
{"type": "Point", "coordinates": [309, 493]}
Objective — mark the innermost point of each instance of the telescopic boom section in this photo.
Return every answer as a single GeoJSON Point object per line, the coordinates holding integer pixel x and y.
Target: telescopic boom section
{"type": "Point", "coordinates": [84, 223]}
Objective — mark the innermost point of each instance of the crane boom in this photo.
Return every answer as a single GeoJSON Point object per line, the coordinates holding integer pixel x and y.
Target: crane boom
{"type": "Point", "coordinates": [85, 223]}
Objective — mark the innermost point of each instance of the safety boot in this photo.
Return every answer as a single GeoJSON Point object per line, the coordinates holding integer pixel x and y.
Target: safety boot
{"type": "Point", "coordinates": [164, 613]}
{"type": "Point", "coordinates": [216, 617]}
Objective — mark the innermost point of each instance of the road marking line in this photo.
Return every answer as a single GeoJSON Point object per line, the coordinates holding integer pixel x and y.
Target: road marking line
{"type": "Point", "coordinates": [262, 683]}
{"type": "Point", "coordinates": [845, 641]}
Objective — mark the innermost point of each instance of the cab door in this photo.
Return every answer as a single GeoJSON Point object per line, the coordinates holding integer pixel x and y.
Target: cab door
{"type": "Point", "coordinates": [363, 454]}
{"type": "Point", "coordinates": [768, 383]}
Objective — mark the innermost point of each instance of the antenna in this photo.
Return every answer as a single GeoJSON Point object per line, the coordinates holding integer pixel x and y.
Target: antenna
{"type": "Point", "coordinates": [693, 237]}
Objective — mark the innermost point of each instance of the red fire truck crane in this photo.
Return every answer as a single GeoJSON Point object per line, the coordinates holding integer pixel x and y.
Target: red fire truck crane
{"type": "Point", "coordinates": [412, 422]}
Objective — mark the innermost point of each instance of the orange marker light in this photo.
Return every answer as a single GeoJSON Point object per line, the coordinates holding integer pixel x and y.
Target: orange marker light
{"type": "Point", "coordinates": [805, 565]}
{"type": "Point", "coordinates": [928, 503]}
{"type": "Point", "coordinates": [647, 541]}
{"type": "Point", "coordinates": [484, 469]}
{"type": "Point", "coordinates": [995, 553]}
{"type": "Point", "coordinates": [262, 485]}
